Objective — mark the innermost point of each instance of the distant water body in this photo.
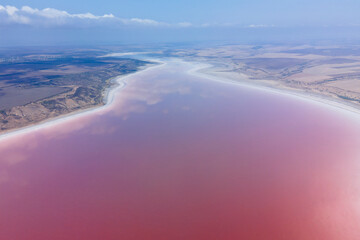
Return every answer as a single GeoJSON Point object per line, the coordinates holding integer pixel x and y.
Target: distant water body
{"type": "Point", "coordinates": [178, 156]}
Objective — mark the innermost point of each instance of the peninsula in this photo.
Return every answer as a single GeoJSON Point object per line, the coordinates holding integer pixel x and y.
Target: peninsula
{"type": "Point", "coordinates": [328, 72]}
{"type": "Point", "coordinates": [38, 87]}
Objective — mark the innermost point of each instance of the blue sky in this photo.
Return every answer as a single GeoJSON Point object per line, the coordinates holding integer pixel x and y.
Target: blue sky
{"type": "Point", "coordinates": [134, 17]}
{"type": "Point", "coordinates": [276, 12]}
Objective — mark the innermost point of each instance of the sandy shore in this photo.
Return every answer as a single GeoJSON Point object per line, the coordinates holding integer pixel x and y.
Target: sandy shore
{"type": "Point", "coordinates": [118, 84]}
{"type": "Point", "coordinates": [202, 70]}
{"type": "Point", "coordinates": [210, 72]}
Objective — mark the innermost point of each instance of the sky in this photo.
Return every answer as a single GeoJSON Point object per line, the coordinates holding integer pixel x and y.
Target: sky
{"type": "Point", "coordinates": [164, 20]}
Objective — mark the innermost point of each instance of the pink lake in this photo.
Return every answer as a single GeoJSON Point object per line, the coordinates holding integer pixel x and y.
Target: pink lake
{"type": "Point", "coordinates": [178, 156]}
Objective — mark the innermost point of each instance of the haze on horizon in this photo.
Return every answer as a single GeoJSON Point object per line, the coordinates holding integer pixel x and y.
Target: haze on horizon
{"type": "Point", "coordinates": [110, 21]}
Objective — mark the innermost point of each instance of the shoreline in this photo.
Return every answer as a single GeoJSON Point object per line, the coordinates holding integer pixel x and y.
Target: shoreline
{"type": "Point", "coordinates": [203, 70]}
{"type": "Point", "coordinates": [117, 84]}
{"type": "Point", "coordinates": [207, 70]}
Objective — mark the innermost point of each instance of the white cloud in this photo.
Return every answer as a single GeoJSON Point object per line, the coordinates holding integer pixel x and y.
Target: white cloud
{"type": "Point", "coordinates": [10, 14]}
{"type": "Point", "coordinates": [47, 16]}
{"type": "Point", "coordinates": [260, 26]}
{"type": "Point", "coordinates": [143, 21]}
{"type": "Point", "coordinates": [185, 24]}
{"type": "Point", "coordinates": [50, 16]}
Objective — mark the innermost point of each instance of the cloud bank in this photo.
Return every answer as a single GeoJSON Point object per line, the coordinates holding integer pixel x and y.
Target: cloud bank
{"type": "Point", "coordinates": [50, 17]}
{"type": "Point", "coordinates": [53, 17]}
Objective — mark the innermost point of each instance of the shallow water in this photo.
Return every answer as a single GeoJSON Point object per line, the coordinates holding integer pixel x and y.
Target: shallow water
{"type": "Point", "coordinates": [177, 156]}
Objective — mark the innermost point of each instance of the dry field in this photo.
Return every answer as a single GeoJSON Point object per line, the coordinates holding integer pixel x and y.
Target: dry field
{"type": "Point", "coordinates": [331, 71]}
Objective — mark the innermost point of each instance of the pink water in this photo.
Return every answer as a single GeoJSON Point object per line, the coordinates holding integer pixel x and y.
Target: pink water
{"type": "Point", "coordinates": [182, 157]}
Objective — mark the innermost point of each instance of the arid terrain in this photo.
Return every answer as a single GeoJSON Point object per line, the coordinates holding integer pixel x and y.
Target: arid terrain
{"type": "Point", "coordinates": [328, 71]}
{"type": "Point", "coordinates": [37, 87]}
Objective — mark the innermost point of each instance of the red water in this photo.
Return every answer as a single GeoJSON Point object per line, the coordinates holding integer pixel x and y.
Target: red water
{"type": "Point", "coordinates": [181, 157]}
